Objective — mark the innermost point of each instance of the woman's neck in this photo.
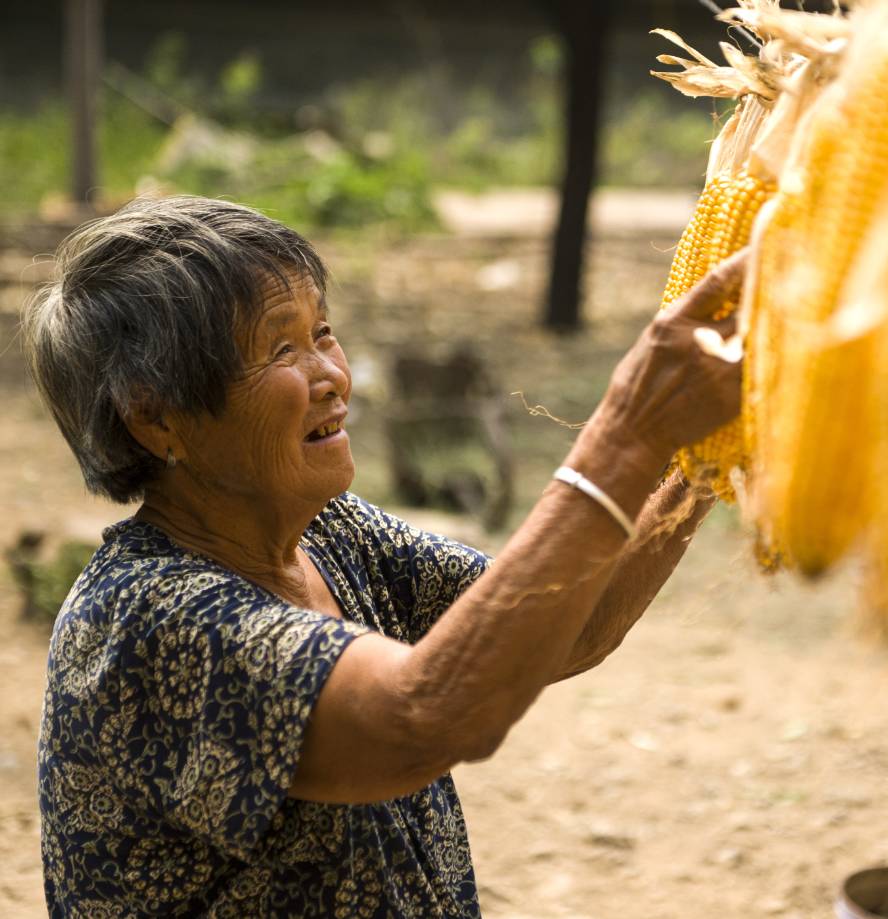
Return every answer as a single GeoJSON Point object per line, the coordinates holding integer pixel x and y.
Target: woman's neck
{"type": "Point", "coordinates": [256, 541]}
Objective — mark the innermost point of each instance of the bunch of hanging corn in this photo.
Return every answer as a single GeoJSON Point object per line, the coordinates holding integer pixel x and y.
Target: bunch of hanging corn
{"type": "Point", "coordinates": [741, 176]}
{"type": "Point", "coordinates": [814, 305]}
{"type": "Point", "coordinates": [795, 59]}
{"type": "Point", "coordinates": [811, 448]}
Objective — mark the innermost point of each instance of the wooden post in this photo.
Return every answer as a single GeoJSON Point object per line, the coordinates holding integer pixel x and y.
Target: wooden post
{"type": "Point", "coordinates": [83, 40]}
{"type": "Point", "coordinates": [584, 28]}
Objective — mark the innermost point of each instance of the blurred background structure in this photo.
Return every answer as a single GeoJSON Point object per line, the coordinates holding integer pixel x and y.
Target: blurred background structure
{"type": "Point", "coordinates": [352, 113]}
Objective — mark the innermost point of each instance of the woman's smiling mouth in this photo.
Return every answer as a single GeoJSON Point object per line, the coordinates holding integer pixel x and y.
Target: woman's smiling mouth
{"type": "Point", "coordinates": [326, 432]}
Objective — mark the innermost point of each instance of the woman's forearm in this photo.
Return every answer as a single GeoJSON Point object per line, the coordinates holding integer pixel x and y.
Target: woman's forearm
{"type": "Point", "coordinates": [392, 718]}
{"type": "Point", "coordinates": [666, 525]}
{"type": "Point", "coordinates": [479, 668]}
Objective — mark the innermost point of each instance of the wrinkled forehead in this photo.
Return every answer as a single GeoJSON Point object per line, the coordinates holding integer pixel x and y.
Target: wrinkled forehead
{"type": "Point", "coordinates": [296, 290]}
{"type": "Point", "coordinates": [282, 299]}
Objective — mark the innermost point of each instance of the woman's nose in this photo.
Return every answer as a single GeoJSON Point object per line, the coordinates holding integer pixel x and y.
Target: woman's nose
{"type": "Point", "coordinates": [332, 380]}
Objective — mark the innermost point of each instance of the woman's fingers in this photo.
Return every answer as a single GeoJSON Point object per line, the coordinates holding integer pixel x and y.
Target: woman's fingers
{"type": "Point", "coordinates": [705, 297]}
{"type": "Point", "coordinates": [726, 326]}
{"type": "Point", "coordinates": [710, 341]}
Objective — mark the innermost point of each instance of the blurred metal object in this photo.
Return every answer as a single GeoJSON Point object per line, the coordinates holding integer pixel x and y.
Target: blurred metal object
{"type": "Point", "coordinates": [713, 7]}
{"type": "Point", "coordinates": [83, 57]}
{"type": "Point", "coordinates": [864, 895]}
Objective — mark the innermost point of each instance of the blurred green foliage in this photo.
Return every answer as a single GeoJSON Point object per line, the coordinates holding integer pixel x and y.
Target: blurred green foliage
{"type": "Point", "coordinates": [241, 80]}
{"type": "Point", "coordinates": [647, 145]}
{"type": "Point", "coordinates": [346, 191]}
{"type": "Point", "coordinates": [377, 149]}
{"type": "Point", "coordinates": [33, 155]}
{"type": "Point", "coordinates": [44, 582]}
{"type": "Point", "coordinates": [165, 69]}
{"type": "Point", "coordinates": [34, 152]}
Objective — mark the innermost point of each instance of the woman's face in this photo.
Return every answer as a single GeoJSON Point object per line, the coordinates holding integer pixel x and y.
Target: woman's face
{"type": "Point", "coordinates": [281, 436]}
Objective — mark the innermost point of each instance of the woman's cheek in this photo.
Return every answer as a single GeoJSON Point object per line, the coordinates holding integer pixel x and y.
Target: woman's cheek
{"type": "Point", "coordinates": [285, 389]}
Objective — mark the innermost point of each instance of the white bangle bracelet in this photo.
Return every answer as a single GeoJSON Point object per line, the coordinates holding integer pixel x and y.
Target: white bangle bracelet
{"type": "Point", "coordinates": [581, 483]}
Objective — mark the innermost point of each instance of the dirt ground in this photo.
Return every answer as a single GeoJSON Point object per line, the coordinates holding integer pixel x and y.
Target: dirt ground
{"type": "Point", "coordinates": [730, 760]}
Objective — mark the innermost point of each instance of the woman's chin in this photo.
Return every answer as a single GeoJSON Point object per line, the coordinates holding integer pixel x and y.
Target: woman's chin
{"type": "Point", "coordinates": [347, 479]}
{"type": "Point", "coordinates": [338, 478]}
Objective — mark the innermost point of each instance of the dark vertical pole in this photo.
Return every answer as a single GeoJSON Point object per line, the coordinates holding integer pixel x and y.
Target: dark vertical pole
{"type": "Point", "coordinates": [83, 37]}
{"type": "Point", "coordinates": [584, 27]}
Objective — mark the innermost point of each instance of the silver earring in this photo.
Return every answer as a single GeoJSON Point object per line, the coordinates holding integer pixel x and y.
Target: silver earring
{"type": "Point", "coordinates": [171, 459]}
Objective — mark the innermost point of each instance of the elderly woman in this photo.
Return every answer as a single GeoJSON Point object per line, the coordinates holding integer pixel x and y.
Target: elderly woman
{"type": "Point", "coordinates": [259, 683]}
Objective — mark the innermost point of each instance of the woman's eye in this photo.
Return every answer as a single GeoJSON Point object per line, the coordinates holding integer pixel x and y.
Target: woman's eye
{"type": "Point", "coordinates": [324, 331]}
{"type": "Point", "coordinates": [284, 350]}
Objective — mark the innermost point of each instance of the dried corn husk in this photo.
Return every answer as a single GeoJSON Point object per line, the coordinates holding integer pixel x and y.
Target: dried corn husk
{"type": "Point", "coordinates": [743, 166]}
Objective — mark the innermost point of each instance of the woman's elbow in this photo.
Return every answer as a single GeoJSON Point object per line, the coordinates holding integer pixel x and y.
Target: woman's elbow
{"type": "Point", "coordinates": [483, 746]}
{"type": "Point", "coordinates": [450, 722]}
{"type": "Point", "coordinates": [467, 736]}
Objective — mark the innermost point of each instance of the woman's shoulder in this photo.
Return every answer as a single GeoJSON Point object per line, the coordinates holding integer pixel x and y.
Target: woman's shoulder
{"type": "Point", "coordinates": [351, 517]}
{"type": "Point", "coordinates": [139, 571]}
{"type": "Point", "coordinates": [349, 506]}
{"type": "Point", "coordinates": [137, 549]}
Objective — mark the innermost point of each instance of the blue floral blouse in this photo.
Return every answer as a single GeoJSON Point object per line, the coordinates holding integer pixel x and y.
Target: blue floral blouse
{"type": "Point", "coordinates": [177, 699]}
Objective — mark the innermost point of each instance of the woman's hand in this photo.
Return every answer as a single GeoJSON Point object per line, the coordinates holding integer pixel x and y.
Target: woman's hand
{"type": "Point", "coordinates": [666, 392]}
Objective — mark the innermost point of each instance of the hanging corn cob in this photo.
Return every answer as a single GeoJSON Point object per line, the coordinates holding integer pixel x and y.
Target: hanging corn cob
{"type": "Point", "coordinates": [813, 450]}
{"type": "Point", "coordinates": [878, 537]}
{"type": "Point", "coordinates": [737, 184]}
{"type": "Point", "coordinates": [812, 353]}
{"type": "Point", "coordinates": [876, 588]}
{"type": "Point", "coordinates": [720, 226]}
{"type": "Point", "coordinates": [762, 330]}
{"type": "Point", "coordinates": [865, 312]}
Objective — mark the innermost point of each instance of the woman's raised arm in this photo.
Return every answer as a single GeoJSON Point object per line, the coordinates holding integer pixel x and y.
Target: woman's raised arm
{"type": "Point", "coordinates": [391, 717]}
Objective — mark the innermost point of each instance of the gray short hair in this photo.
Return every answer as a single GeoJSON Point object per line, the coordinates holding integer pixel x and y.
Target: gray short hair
{"type": "Point", "coordinates": [145, 306]}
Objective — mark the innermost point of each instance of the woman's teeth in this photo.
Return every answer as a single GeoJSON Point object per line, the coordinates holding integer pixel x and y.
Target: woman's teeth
{"type": "Point", "coordinates": [325, 430]}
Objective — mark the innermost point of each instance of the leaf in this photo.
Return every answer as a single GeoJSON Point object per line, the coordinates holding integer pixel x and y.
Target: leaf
{"type": "Point", "coordinates": [674, 61]}
{"type": "Point", "coordinates": [676, 39]}
{"type": "Point", "coordinates": [752, 69]}
{"type": "Point", "coordinates": [719, 82]}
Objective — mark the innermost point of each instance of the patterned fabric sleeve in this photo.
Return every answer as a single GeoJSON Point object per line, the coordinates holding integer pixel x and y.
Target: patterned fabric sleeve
{"type": "Point", "coordinates": [214, 705]}
{"type": "Point", "coordinates": [425, 572]}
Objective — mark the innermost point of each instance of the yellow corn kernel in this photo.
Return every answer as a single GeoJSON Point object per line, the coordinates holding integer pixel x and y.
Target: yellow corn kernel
{"type": "Point", "coordinates": [721, 224]}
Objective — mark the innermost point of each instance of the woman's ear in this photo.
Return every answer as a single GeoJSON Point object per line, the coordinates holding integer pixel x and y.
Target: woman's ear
{"type": "Point", "coordinates": [154, 429]}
